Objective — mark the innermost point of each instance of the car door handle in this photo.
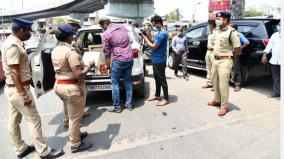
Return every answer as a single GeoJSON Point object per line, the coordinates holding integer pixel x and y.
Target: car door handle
{"type": "Point", "coordinates": [196, 43]}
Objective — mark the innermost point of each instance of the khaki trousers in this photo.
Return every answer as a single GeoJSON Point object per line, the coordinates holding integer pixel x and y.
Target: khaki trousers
{"type": "Point", "coordinates": [84, 96]}
{"type": "Point", "coordinates": [220, 79]}
{"type": "Point", "coordinates": [17, 111]}
{"type": "Point", "coordinates": [209, 58]}
{"type": "Point", "coordinates": [74, 100]}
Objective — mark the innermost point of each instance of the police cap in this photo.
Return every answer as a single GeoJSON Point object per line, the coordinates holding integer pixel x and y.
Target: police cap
{"type": "Point", "coordinates": [67, 28]}
{"type": "Point", "coordinates": [22, 23]}
{"type": "Point", "coordinates": [226, 15]}
{"type": "Point", "coordinates": [73, 22]}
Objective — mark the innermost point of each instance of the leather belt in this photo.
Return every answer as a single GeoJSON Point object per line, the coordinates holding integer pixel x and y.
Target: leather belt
{"type": "Point", "coordinates": [223, 57]}
{"type": "Point", "coordinates": [25, 83]}
{"type": "Point", "coordinates": [210, 49]}
{"type": "Point", "coordinates": [67, 81]}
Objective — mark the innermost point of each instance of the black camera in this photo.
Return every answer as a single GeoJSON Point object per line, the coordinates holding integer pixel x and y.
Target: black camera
{"type": "Point", "coordinates": [142, 31]}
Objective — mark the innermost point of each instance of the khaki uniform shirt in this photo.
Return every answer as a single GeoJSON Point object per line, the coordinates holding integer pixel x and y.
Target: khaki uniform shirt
{"type": "Point", "coordinates": [15, 54]}
{"type": "Point", "coordinates": [211, 40]}
{"type": "Point", "coordinates": [64, 57]}
{"type": "Point", "coordinates": [223, 45]}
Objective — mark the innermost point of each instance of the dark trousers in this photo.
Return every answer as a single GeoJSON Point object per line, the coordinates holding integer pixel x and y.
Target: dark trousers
{"type": "Point", "coordinates": [275, 71]}
{"type": "Point", "coordinates": [160, 79]}
{"type": "Point", "coordinates": [181, 58]}
{"type": "Point", "coordinates": [237, 72]}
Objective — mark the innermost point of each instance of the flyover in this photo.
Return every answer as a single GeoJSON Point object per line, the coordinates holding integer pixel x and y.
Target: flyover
{"type": "Point", "coordinates": [114, 7]}
{"type": "Point", "coordinates": [76, 6]}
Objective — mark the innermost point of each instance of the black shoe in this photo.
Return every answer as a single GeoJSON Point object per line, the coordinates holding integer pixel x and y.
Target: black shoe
{"type": "Point", "coordinates": [53, 154]}
{"type": "Point", "coordinates": [114, 110]}
{"type": "Point", "coordinates": [273, 95]}
{"type": "Point", "coordinates": [29, 150]}
{"type": "Point", "coordinates": [82, 147]}
{"type": "Point", "coordinates": [185, 78]}
{"type": "Point", "coordinates": [176, 74]}
{"type": "Point", "coordinates": [84, 135]}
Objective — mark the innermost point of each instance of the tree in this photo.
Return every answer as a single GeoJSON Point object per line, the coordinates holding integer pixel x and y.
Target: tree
{"type": "Point", "coordinates": [237, 8]}
{"type": "Point", "coordinates": [252, 12]}
{"type": "Point", "coordinates": [59, 20]}
{"type": "Point", "coordinates": [174, 15]}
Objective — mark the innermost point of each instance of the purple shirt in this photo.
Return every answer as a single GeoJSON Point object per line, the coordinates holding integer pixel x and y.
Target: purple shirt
{"type": "Point", "coordinates": [116, 40]}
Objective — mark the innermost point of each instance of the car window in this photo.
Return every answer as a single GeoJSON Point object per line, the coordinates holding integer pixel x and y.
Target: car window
{"type": "Point", "coordinates": [245, 28]}
{"type": "Point", "coordinates": [196, 33]}
{"type": "Point", "coordinates": [50, 42]}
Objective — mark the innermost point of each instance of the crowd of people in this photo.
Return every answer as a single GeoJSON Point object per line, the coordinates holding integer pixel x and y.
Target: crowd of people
{"type": "Point", "coordinates": [225, 45]}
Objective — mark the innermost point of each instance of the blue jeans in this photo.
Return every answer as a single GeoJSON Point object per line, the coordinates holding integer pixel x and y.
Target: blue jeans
{"type": "Point", "coordinates": [121, 69]}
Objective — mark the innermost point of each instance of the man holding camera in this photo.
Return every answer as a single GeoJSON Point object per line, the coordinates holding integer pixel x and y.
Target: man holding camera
{"type": "Point", "coordinates": [159, 58]}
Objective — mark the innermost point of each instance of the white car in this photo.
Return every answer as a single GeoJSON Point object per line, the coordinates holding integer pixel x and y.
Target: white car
{"type": "Point", "coordinates": [43, 74]}
{"type": "Point", "coordinates": [91, 37]}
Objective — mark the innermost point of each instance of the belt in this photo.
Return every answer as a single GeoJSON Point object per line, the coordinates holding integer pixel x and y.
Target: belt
{"type": "Point", "coordinates": [67, 81]}
{"type": "Point", "coordinates": [222, 57]}
{"type": "Point", "coordinates": [25, 83]}
{"type": "Point", "coordinates": [210, 49]}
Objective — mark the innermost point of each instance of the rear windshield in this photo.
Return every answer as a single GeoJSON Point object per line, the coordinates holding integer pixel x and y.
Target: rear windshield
{"type": "Point", "coordinates": [87, 38]}
{"type": "Point", "coordinates": [272, 27]}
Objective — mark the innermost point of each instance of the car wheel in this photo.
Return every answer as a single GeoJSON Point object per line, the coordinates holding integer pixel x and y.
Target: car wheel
{"type": "Point", "coordinates": [139, 90]}
{"type": "Point", "coordinates": [171, 61]}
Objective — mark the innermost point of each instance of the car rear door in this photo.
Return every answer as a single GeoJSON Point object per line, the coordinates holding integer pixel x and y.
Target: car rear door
{"type": "Point", "coordinates": [43, 74]}
{"type": "Point", "coordinates": [196, 42]}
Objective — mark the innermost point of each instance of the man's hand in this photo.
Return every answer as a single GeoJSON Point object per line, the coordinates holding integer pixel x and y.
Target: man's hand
{"type": "Point", "coordinates": [27, 99]}
{"type": "Point", "coordinates": [91, 64]}
{"type": "Point", "coordinates": [264, 58]}
{"type": "Point", "coordinates": [177, 52]}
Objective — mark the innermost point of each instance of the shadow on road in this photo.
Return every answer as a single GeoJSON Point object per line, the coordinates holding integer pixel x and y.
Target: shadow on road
{"type": "Point", "coordinates": [103, 140]}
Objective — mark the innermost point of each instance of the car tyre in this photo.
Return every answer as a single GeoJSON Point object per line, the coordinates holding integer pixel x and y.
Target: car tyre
{"type": "Point", "coordinates": [139, 90]}
{"type": "Point", "coordinates": [171, 61]}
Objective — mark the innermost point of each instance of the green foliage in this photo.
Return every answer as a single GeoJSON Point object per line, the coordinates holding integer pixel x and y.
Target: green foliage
{"type": "Point", "coordinates": [59, 20]}
{"type": "Point", "coordinates": [252, 12]}
{"type": "Point", "coordinates": [174, 15]}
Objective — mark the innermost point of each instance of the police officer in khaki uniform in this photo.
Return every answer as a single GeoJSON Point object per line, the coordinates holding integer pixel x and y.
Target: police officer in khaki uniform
{"type": "Point", "coordinates": [76, 24]}
{"type": "Point", "coordinates": [17, 90]}
{"type": "Point", "coordinates": [226, 49]}
{"type": "Point", "coordinates": [70, 86]}
{"type": "Point", "coordinates": [209, 58]}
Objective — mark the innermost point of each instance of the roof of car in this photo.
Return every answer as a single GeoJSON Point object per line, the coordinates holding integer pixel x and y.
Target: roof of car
{"type": "Point", "coordinates": [97, 27]}
{"type": "Point", "coordinates": [245, 20]}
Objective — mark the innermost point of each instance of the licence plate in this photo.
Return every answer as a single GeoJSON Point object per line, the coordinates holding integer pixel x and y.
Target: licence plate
{"type": "Point", "coordinates": [99, 87]}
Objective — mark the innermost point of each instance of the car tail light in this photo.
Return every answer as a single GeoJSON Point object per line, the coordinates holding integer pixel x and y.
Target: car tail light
{"type": "Point", "coordinates": [135, 53]}
{"type": "Point", "coordinates": [265, 41]}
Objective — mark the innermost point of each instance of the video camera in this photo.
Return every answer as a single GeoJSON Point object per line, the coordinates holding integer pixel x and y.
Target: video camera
{"type": "Point", "coordinates": [142, 31]}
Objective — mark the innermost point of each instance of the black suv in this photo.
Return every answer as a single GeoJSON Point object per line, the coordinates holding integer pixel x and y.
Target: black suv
{"type": "Point", "coordinates": [258, 32]}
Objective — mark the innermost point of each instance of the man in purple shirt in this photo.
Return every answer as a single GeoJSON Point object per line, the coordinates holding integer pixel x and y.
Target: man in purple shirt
{"type": "Point", "coordinates": [115, 40]}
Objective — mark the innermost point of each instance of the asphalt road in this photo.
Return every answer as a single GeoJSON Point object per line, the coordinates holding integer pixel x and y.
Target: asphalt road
{"type": "Point", "coordinates": [185, 129]}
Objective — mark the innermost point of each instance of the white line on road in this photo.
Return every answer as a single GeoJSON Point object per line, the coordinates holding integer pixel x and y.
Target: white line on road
{"type": "Point", "coordinates": [151, 139]}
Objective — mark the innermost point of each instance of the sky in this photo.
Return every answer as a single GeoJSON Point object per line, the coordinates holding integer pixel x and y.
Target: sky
{"type": "Point", "coordinates": [162, 7]}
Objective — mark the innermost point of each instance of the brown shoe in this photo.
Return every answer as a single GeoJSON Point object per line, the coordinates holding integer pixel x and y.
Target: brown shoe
{"type": "Point", "coordinates": [207, 86]}
{"type": "Point", "coordinates": [237, 88]}
{"type": "Point", "coordinates": [154, 98]}
{"type": "Point", "coordinates": [214, 104]}
{"type": "Point", "coordinates": [86, 114]}
{"type": "Point", "coordinates": [222, 111]}
{"type": "Point", "coordinates": [163, 102]}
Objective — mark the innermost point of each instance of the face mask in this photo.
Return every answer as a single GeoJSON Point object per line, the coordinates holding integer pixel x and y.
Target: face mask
{"type": "Point", "coordinates": [218, 22]}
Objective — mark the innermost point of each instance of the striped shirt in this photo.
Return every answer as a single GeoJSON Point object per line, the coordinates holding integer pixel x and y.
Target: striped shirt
{"type": "Point", "coordinates": [116, 40]}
